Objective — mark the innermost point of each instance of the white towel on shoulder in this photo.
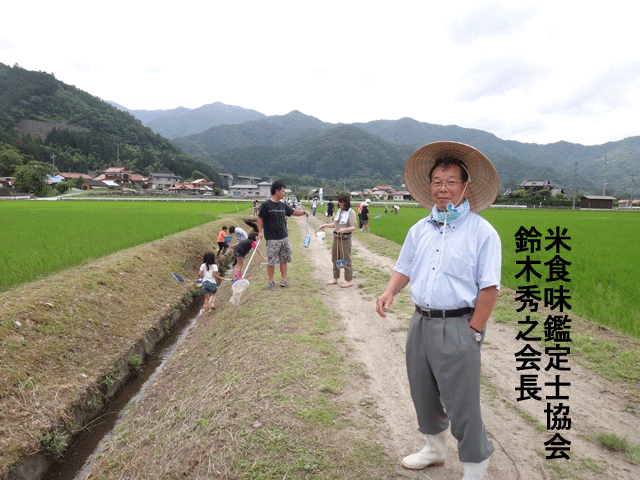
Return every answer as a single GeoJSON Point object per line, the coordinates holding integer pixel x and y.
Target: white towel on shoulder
{"type": "Point", "coordinates": [342, 217]}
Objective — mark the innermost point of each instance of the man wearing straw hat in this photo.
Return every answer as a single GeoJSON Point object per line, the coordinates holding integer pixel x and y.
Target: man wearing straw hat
{"type": "Point", "coordinates": [452, 259]}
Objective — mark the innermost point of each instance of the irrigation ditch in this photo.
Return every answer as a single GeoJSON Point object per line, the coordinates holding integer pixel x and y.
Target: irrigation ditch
{"type": "Point", "coordinates": [140, 314]}
{"type": "Point", "coordinates": [97, 414]}
{"type": "Point", "coordinates": [77, 460]}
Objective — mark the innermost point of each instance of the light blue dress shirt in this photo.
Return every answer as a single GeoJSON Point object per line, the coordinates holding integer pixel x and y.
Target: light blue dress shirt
{"type": "Point", "coordinates": [450, 278]}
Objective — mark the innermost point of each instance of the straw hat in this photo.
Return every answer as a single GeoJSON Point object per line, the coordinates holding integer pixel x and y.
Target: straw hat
{"type": "Point", "coordinates": [483, 182]}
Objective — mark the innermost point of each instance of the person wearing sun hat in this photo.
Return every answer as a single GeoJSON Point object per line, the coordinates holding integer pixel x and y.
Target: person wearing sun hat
{"type": "Point", "coordinates": [452, 259]}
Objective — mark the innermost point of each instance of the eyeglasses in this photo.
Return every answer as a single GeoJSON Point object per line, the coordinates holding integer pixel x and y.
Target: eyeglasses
{"type": "Point", "coordinates": [448, 184]}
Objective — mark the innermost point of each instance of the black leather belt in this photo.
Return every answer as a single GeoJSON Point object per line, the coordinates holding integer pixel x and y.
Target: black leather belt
{"type": "Point", "coordinates": [427, 313]}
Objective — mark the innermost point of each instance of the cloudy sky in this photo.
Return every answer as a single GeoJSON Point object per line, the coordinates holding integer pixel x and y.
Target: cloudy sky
{"type": "Point", "coordinates": [530, 71]}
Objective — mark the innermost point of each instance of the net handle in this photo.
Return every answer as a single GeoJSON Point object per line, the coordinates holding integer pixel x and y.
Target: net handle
{"type": "Point", "coordinates": [249, 262]}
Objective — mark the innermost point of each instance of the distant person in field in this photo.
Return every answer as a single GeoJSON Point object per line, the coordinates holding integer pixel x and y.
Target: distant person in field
{"type": "Point", "coordinates": [272, 226]}
{"type": "Point", "coordinates": [222, 245]}
{"type": "Point", "coordinates": [330, 207]}
{"type": "Point", "coordinates": [396, 209]}
{"type": "Point", "coordinates": [386, 210]}
{"type": "Point", "coordinates": [364, 215]}
{"type": "Point", "coordinates": [241, 250]}
{"type": "Point", "coordinates": [314, 206]}
{"type": "Point", "coordinates": [209, 274]}
{"type": "Point", "coordinates": [343, 224]}
{"type": "Point", "coordinates": [451, 259]}
{"type": "Point", "coordinates": [256, 207]}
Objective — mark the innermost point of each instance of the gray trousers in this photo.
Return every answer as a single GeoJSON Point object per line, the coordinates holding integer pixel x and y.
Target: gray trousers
{"type": "Point", "coordinates": [443, 364]}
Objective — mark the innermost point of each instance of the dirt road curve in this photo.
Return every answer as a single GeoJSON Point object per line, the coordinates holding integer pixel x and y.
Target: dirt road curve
{"type": "Point", "coordinates": [379, 344]}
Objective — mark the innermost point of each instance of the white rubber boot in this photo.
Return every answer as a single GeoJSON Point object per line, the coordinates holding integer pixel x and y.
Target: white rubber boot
{"type": "Point", "coordinates": [475, 471]}
{"type": "Point", "coordinates": [432, 454]}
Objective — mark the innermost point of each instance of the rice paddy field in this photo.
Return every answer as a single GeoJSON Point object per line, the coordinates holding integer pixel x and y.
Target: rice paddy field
{"type": "Point", "coordinates": [604, 256]}
{"type": "Point", "coordinates": [38, 238]}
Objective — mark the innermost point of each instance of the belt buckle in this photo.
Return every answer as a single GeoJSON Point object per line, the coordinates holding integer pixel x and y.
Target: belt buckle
{"type": "Point", "coordinates": [426, 313]}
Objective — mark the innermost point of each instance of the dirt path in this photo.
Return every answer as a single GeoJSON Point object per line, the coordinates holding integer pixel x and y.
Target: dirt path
{"type": "Point", "coordinates": [597, 406]}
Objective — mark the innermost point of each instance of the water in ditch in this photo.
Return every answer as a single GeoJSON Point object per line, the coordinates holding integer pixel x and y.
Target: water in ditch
{"type": "Point", "coordinates": [78, 459]}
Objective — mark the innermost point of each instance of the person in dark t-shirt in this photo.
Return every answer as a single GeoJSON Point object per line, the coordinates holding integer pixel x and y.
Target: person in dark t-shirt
{"type": "Point", "coordinates": [241, 250]}
{"type": "Point", "coordinates": [272, 226]}
{"type": "Point", "coordinates": [330, 207]}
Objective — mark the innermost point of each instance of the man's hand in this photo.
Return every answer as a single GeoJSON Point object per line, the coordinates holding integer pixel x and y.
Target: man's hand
{"type": "Point", "coordinates": [383, 302]}
{"type": "Point", "coordinates": [484, 304]}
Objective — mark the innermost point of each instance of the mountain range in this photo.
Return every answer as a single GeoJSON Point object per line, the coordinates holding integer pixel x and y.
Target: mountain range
{"type": "Point", "coordinates": [376, 151]}
{"type": "Point", "coordinates": [85, 133]}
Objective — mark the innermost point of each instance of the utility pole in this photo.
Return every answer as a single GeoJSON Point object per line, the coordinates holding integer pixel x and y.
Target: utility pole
{"type": "Point", "coordinates": [633, 185]}
{"type": "Point", "coordinates": [606, 164]}
{"type": "Point", "coordinates": [575, 181]}
{"type": "Point", "coordinates": [53, 159]}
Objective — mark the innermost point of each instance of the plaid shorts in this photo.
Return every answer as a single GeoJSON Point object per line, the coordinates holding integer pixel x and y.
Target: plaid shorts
{"type": "Point", "coordinates": [278, 251]}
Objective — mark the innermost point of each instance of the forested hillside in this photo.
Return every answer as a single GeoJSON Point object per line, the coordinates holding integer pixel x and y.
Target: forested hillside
{"type": "Point", "coordinates": [299, 143]}
{"type": "Point", "coordinates": [342, 155]}
{"type": "Point", "coordinates": [82, 132]}
{"type": "Point", "coordinates": [358, 155]}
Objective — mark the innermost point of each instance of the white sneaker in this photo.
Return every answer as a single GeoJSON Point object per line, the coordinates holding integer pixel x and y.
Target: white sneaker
{"type": "Point", "coordinates": [475, 471]}
{"type": "Point", "coordinates": [433, 454]}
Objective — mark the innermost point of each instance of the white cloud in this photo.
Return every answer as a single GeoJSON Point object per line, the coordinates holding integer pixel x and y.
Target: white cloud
{"type": "Point", "coordinates": [613, 87]}
{"type": "Point", "coordinates": [6, 44]}
{"type": "Point", "coordinates": [499, 76]}
{"type": "Point", "coordinates": [489, 21]}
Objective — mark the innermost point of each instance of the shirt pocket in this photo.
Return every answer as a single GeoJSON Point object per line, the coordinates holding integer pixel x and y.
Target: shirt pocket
{"type": "Point", "coordinates": [458, 266]}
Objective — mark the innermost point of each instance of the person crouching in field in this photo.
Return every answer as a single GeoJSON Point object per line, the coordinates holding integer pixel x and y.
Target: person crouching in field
{"type": "Point", "coordinates": [240, 251]}
{"type": "Point", "coordinates": [209, 274]}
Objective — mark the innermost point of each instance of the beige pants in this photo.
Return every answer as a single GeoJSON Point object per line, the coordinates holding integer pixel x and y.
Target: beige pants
{"type": "Point", "coordinates": [342, 249]}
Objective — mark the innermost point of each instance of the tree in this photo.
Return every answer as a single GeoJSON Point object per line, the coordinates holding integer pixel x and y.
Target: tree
{"type": "Point", "coordinates": [302, 193]}
{"type": "Point", "coordinates": [10, 160]}
{"type": "Point", "coordinates": [62, 187]}
{"type": "Point", "coordinates": [31, 177]}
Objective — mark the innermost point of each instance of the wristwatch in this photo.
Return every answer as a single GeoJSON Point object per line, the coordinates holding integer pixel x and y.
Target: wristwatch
{"type": "Point", "coordinates": [477, 334]}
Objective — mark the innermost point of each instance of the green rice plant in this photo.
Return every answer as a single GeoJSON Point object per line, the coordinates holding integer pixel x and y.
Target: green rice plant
{"type": "Point", "coordinates": [39, 238]}
{"type": "Point", "coordinates": [604, 256]}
